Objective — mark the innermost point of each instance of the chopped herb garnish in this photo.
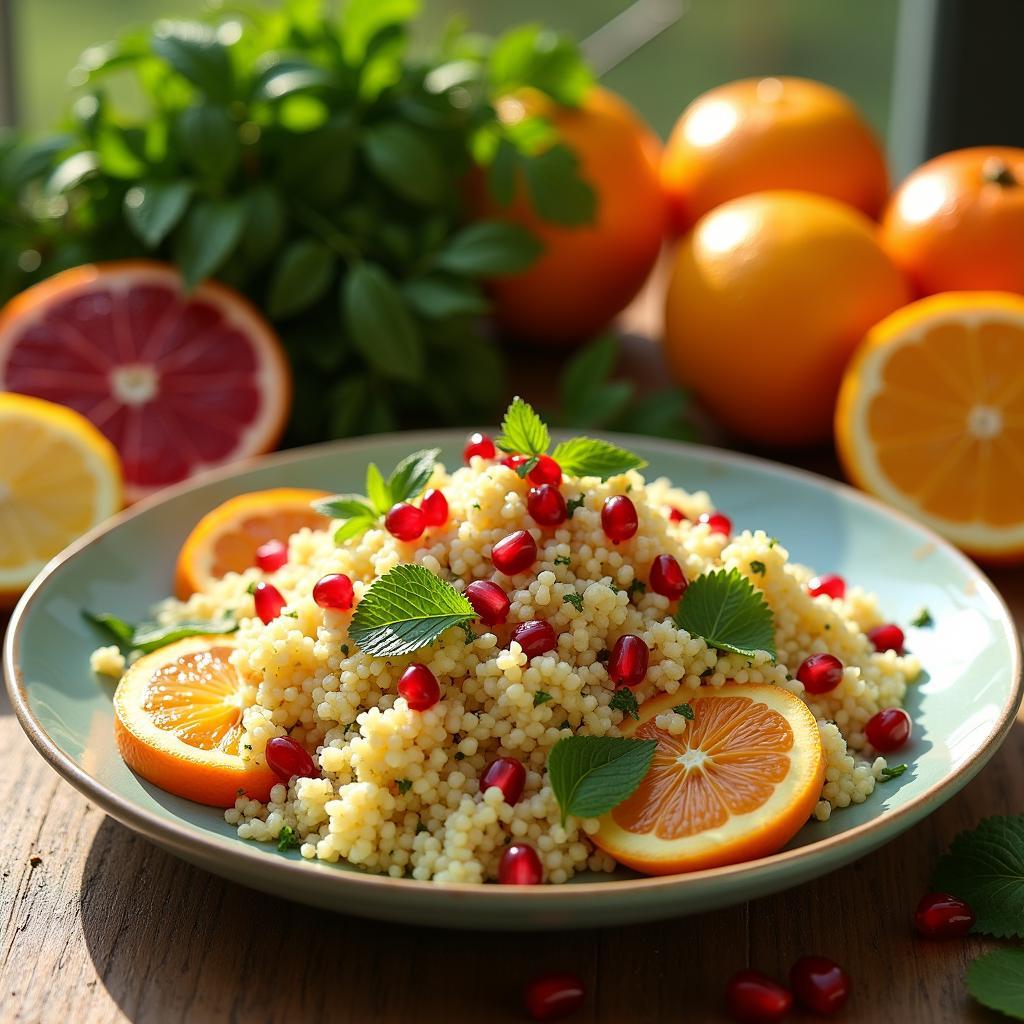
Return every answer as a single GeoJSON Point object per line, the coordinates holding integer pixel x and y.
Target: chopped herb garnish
{"type": "Point", "coordinates": [637, 587]}
{"type": "Point", "coordinates": [892, 773]}
{"type": "Point", "coordinates": [563, 560]}
{"type": "Point", "coordinates": [758, 567]}
{"type": "Point", "coordinates": [459, 755]}
{"type": "Point", "coordinates": [287, 839]}
{"type": "Point", "coordinates": [540, 697]}
{"type": "Point", "coordinates": [576, 600]}
{"type": "Point", "coordinates": [420, 827]}
{"type": "Point", "coordinates": [404, 785]}
{"type": "Point", "coordinates": [624, 700]}
{"type": "Point", "coordinates": [476, 505]}
{"type": "Point", "coordinates": [727, 612]}
{"type": "Point", "coordinates": [527, 467]}
{"type": "Point", "coordinates": [686, 710]}
{"type": "Point", "coordinates": [592, 774]}
{"type": "Point", "coordinates": [709, 671]}
{"type": "Point", "coordinates": [603, 655]}
{"type": "Point", "coordinates": [574, 503]}
{"type": "Point", "coordinates": [923, 619]}
{"type": "Point", "coordinates": [566, 724]}
{"type": "Point", "coordinates": [239, 791]}
{"type": "Point", "coordinates": [290, 615]}
{"type": "Point", "coordinates": [470, 635]}
{"type": "Point", "coordinates": [344, 649]}
{"type": "Point", "coordinates": [251, 589]}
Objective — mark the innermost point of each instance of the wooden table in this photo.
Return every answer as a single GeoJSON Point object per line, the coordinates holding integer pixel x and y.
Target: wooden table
{"type": "Point", "coordinates": [96, 924]}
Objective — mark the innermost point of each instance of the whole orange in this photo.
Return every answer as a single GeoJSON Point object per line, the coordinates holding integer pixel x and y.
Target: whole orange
{"type": "Point", "coordinates": [768, 297]}
{"type": "Point", "coordinates": [586, 274]}
{"type": "Point", "coordinates": [771, 133]}
{"type": "Point", "coordinates": [957, 222]}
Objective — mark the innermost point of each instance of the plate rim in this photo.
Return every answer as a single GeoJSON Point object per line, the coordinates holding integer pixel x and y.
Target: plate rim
{"type": "Point", "coordinates": [175, 835]}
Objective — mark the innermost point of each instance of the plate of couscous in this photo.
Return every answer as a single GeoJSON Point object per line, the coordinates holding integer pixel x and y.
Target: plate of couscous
{"type": "Point", "coordinates": [514, 680]}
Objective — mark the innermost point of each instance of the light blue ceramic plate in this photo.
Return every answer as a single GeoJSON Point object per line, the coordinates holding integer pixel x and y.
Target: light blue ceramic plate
{"type": "Point", "coordinates": [962, 709]}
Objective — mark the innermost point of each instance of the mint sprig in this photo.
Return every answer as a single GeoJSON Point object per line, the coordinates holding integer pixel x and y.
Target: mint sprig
{"type": "Point", "coordinates": [523, 431]}
{"type": "Point", "coordinates": [405, 609]}
{"type": "Point", "coordinates": [590, 456]}
{"type": "Point", "coordinates": [996, 980]}
{"type": "Point", "coordinates": [727, 612]}
{"type": "Point", "coordinates": [592, 774]}
{"type": "Point", "coordinates": [151, 636]}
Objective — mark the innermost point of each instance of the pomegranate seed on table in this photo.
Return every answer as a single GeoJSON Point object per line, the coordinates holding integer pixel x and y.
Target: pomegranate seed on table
{"type": "Point", "coordinates": [405, 521]}
{"type": "Point", "coordinates": [515, 553]}
{"type": "Point", "coordinates": [754, 998]}
{"type": "Point", "coordinates": [478, 444]}
{"type": "Point", "coordinates": [887, 638]}
{"type": "Point", "coordinates": [435, 508]}
{"type": "Point", "coordinates": [489, 601]}
{"type": "Point", "coordinates": [827, 583]}
{"type": "Point", "coordinates": [286, 759]}
{"type": "Point", "coordinates": [888, 730]}
{"type": "Point", "coordinates": [546, 505]}
{"type": "Point", "coordinates": [272, 555]}
{"type": "Point", "coordinates": [333, 591]}
{"type": "Point", "coordinates": [716, 522]}
{"type": "Point", "coordinates": [629, 660]}
{"type": "Point", "coordinates": [941, 916]}
{"type": "Point", "coordinates": [819, 984]}
{"type": "Point", "coordinates": [553, 996]}
{"type": "Point", "coordinates": [676, 515]}
{"type": "Point", "coordinates": [618, 518]}
{"type": "Point", "coordinates": [667, 578]}
{"type": "Point", "coordinates": [520, 865]}
{"type": "Point", "coordinates": [269, 602]}
{"type": "Point", "coordinates": [820, 673]}
{"type": "Point", "coordinates": [508, 774]}
{"type": "Point", "coordinates": [547, 471]}
{"type": "Point", "coordinates": [419, 687]}
{"type": "Point", "coordinates": [535, 637]}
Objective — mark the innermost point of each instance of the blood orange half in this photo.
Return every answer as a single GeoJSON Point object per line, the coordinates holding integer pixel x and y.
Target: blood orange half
{"type": "Point", "coordinates": [179, 382]}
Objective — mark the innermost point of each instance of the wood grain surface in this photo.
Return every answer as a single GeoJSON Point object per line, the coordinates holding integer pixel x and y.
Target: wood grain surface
{"type": "Point", "coordinates": [96, 924]}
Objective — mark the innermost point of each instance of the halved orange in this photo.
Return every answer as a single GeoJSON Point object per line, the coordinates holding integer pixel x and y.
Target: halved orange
{"type": "Point", "coordinates": [178, 721]}
{"type": "Point", "coordinates": [931, 418]}
{"type": "Point", "coordinates": [225, 540]}
{"type": "Point", "coordinates": [177, 380]}
{"type": "Point", "coordinates": [737, 784]}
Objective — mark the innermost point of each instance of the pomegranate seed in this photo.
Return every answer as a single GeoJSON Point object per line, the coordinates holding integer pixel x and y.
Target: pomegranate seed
{"type": "Point", "coordinates": [509, 775]}
{"type": "Point", "coordinates": [941, 916]}
{"type": "Point", "coordinates": [754, 998]}
{"type": "Point", "coordinates": [553, 996]}
{"type": "Point", "coordinates": [628, 664]}
{"type": "Point", "coordinates": [272, 555]}
{"type": "Point", "coordinates": [666, 578]}
{"type": "Point", "coordinates": [618, 518]}
{"type": "Point", "coordinates": [887, 638]}
{"type": "Point", "coordinates": [419, 687]}
{"type": "Point", "coordinates": [514, 553]}
{"type": "Point", "coordinates": [547, 471]}
{"type": "Point", "coordinates": [819, 984]}
{"type": "Point", "coordinates": [333, 591]}
{"type": "Point", "coordinates": [269, 601]}
{"type": "Point", "coordinates": [828, 583]}
{"type": "Point", "coordinates": [676, 515]}
{"type": "Point", "coordinates": [478, 444]}
{"type": "Point", "coordinates": [514, 461]}
{"type": "Point", "coordinates": [489, 601]}
{"type": "Point", "coordinates": [535, 637]}
{"type": "Point", "coordinates": [435, 508]}
{"type": "Point", "coordinates": [547, 506]}
{"type": "Point", "coordinates": [820, 673]}
{"type": "Point", "coordinates": [405, 521]}
{"type": "Point", "coordinates": [520, 865]}
{"type": "Point", "coordinates": [888, 730]}
{"type": "Point", "coordinates": [286, 759]}
{"type": "Point", "coordinates": [716, 522]}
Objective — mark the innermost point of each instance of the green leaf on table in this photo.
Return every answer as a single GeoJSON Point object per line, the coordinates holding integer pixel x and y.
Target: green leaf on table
{"type": "Point", "coordinates": [522, 430]}
{"type": "Point", "coordinates": [726, 611]}
{"type": "Point", "coordinates": [996, 980]}
{"type": "Point", "coordinates": [985, 867]}
{"type": "Point", "coordinates": [487, 248]}
{"type": "Point", "coordinates": [437, 298]}
{"type": "Point", "coordinates": [405, 609]}
{"type": "Point", "coordinates": [209, 140]}
{"type": "Point", "coordinates": [557, 191]}
{"type": "Point", "coordinates": [592, 774]}
{"type": "Point", "coordinates": [406, 161]}
{"type": "Point", "coordinates": [377, 490]}
{"type": "Point", "coordinates": [540, 57]}
{"type": "Point", "coordinates": [153, 208]}
{"type": "Point", "coordinates": [412, 474]}
{"type": "Point", "coordinates": [379, 323]}
{"type": "Point", "coordinates": [208, 235]}
{"type": "Point", "coordinates": [194, 51]}
{"type": "Point", "coordinates": [590, 456]}
{"type": "Point", "coordinates": [302, 276]}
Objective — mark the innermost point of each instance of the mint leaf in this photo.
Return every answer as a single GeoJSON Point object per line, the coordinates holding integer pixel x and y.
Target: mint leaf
{"type": "Point", "coordinates": [923, 619]}
{"type": "Point", "coordinates": [377, 490]}
{"type": "Point", "coordinates": [576, 600]}
{"type": "Point", "coordinates": [540, 697]}
{"type": "Point", "coordinates": [727, 612]}
{"type": "Point", "coordinates": [624, 700]}
{"type": "Point", "coordinates": [355, 527]}
{"type": "Point", "coordinates": [589, 456]}
{"type": "Point", "coordinates": [522, 430]}
{"type": "Point", "coordinates": [686, 710]}
{"type": "Point", "coordinates": [985, 867]}
{"type": "Point", "coordinates": [996, 980]}
{"type": "Point", "coordinates": [343, 506]}
{"type": "Point", "coordinates": [592, 774]}
{"type": "Point", "coordinates": [405, 609]}
{"type": "Point", "coordinates": [412, 474]}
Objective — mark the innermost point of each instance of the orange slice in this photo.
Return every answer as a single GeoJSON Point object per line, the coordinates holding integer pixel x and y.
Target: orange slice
{"type": "Point", "coordinates": [178, 720]}
{"type": "Point", "coordinates": [931, 418]}
{"type": "Point", "coordinates": [737, 784]}
{"type": "Point", "coordinates": [225, 540]}
{"type": "Point", "coordinates": [177, 380]}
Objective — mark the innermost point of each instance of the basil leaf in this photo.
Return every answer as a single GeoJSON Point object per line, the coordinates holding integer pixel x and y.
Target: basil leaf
{"type": "Point", "coordinates": [405, 160]}
{"type": "Point", "coordinates": [193, 50]}
{"type": "Point", "coordinates": [210, 232]}
{"type": "Point", "coordinates": [209, 140]}
{"type": "Point", "coordinates": [489, 247]}
{"type": "Point", "coordinates": [590, 456]}
{"type": "Point", "coordinates": [153, 208]}
{"type": "Point", "coordinates": [557, 191]}
{"type": "Point", "coordinates": [302, 276]}
{"type": "Point", "coordinates": [151, 637]}
{"type": "Point", "coordinates": [412, 474]}
{"type": "Point", "coordinates": [405, 609]}
{"type": "Point", "coordinates": [343, 506]}
{"type": "Point", "coordinates": [377, 490]}
{"type": "Point", "coordinates": [592, 774]}
{"type": "Point", "coordinates": [379, 323]}
{"type": "Point", "coordinates": [996, 980]}
{"type": "Point", "coordinates": [727, 612]}
{"type": "Point", "coordinates": [523, 431]}
{"type": "Point", "coordinates": [437, 297]}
